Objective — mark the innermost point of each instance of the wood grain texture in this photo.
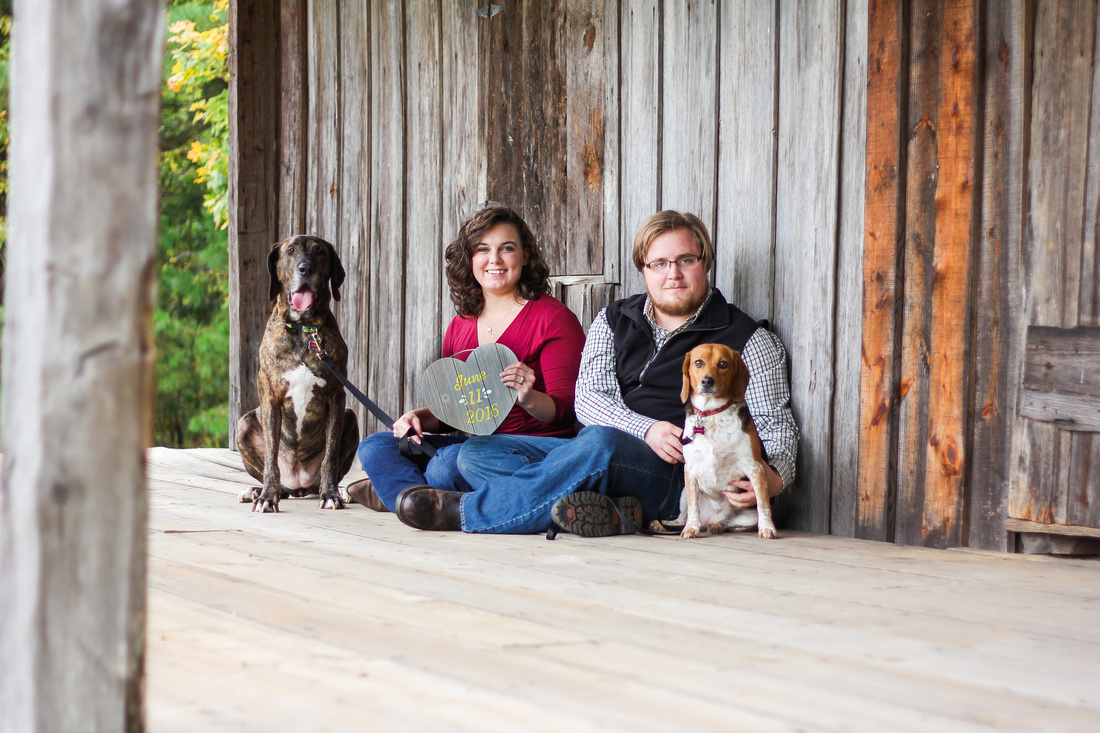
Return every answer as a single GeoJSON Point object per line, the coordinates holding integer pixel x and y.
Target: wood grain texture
{"type": "Point", "coordinates": [689, 107]}
{"type": "Point", "coordinates": [585, 122]}
{"type": "Point", "coordinates": [744, 229]}
{"type": "Point", "coordinates": [463, 131]}
{"type": "Point", "coordinates": [883, 245]}
{"type": "Point", "coordinates": [387, 212]}
{"type": "Point", "coordinates": [811, 49]}
{"type": "Point", "coordinates": [920, 231]}
{"type": "Point", "coordinates": [78, 364]}
{"type": "Point", "coordinates": [323, 166]}
{"type": "Point", "coordinates": [944, 510]}
{"type": "Point", "coordinates": [253, 192]}
{"type": "Point", "coordinates": [293, 110]}
{"type": "Point", "coordinates": [424, 241]}
{"type": "Point", "coordinates": [1042, 462]}
{"type": "Point", "coordinates": [355, 126]}
{"type": "Point", "coordinates": [1061, 382]}
{"type": "Point", "coordinates": [845, 489]}
{"type": "Point", "coordinates": [612, 177]}
{"type": "Point", "coordinates": [513, 632]}
{"type": "Point", "coordinates": [639, 159]}
{"type": "Point", "coordinates": [996, 342]}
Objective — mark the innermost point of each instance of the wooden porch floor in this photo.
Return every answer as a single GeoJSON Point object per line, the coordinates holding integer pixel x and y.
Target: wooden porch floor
{"type": "Point", "coordinates": [314, 620]}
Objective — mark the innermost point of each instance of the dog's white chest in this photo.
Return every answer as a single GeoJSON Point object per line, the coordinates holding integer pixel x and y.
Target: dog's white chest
{"type": "Point", "coordinates": [715, 457]}
{"type": "Point", "coordinates": [300, 383]}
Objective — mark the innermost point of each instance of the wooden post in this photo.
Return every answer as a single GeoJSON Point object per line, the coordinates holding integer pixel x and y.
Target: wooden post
{"type": "Point", "coordinates": [78, 364]}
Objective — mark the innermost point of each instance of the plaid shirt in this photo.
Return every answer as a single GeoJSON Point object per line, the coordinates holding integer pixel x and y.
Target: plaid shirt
{"type": "Point", "coordinates": [600, 401]}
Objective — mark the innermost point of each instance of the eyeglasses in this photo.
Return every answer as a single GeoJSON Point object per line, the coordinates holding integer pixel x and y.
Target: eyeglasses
{"type": "Point", "coordinates": [687, 262]}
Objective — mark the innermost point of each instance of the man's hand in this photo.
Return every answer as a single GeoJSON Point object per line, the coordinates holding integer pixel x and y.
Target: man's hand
{"type": "Point", "coordinates": [664, 438]}
{"type": "Point", "coordinates": [741, 494]}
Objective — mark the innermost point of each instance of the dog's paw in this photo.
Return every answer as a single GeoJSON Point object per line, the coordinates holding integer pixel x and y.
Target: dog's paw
{"type": "Point", "coordinates": [249, 496]}
{"type": "Point", "coordinates": [332, 501]}
{"type": "Point", "coordinates": [656, 526]}
{"type": "Point", "coordinates": [767, 533]}
{"type": "Point", "coordinates": [265, 505]}
{"type": "Point", "coordinates": [716, 528]}
{"type": "Point", "coordinates": [689, 532]}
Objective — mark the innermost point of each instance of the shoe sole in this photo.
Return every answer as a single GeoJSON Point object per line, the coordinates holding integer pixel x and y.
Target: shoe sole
{"type": "Point", "coordinates": [591, 514]}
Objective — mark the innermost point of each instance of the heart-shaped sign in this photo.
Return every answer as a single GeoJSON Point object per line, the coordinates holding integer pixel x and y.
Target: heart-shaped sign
{"type": "Point", "coordinates": [468, 395]}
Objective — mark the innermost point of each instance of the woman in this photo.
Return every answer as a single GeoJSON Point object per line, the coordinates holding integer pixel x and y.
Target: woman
{"type": "Point", "coordinates": [499, 283]}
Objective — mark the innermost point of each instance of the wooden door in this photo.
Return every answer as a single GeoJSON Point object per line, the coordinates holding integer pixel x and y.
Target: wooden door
{"type": "Point", "coordinates": [1055, 470]}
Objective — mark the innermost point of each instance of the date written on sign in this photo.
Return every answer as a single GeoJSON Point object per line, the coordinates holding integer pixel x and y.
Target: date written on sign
{"type": "Point", "coordinates": [469, 395]}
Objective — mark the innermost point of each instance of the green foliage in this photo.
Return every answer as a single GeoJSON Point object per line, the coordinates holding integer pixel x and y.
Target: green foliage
{"type": "Point", "coordinates": [191, 321]}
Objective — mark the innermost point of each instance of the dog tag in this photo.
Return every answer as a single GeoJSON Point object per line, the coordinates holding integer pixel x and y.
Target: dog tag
{"type": "Point", "coordinates": [468, 395]}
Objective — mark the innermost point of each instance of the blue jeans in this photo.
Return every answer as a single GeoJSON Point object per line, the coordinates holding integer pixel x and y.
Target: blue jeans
{"type": "Point", "coordinates": [517, 478]}
{"type": "Point", "coordinates": [390, 472]}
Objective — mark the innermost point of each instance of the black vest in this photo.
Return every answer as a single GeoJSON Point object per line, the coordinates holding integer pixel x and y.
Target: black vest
{"type": "Point", "coordinates": [656, 393]}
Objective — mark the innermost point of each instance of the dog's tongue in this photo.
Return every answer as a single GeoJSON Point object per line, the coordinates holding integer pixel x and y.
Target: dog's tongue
{"type": "Point", "coordinates": [301, 300]}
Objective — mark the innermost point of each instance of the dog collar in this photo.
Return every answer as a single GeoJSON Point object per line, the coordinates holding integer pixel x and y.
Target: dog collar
{"type": "Point", "coordinates": [699, 429]}
{"type": "Point", "coordinates": [313, 332]}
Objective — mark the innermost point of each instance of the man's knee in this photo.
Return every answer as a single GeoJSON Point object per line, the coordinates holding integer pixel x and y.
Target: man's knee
{"type": "Point", "coordinates": [373, 443]}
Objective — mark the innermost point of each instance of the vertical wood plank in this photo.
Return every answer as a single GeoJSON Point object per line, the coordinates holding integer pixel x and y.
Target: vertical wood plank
{"type": "Point", "coordinates": [354, 190]}
{"type": "Point", "coordinates": [920, 229]}
{"type": "Point", "coordinates": [945, 457]}
{"type": "Point", "coordinates": [323, 167]}
{"type": "Point", "coordinates": [1007, 49]}
{"type": "Point", "coordinates": [424, 203]}
{"type": "Point", "coordinates": [293, 111]}
{"type": "Point", "coordinates": [744, 230]}
{"type": "Point", "coordinates": [689, 103]}
{"type": "Point", "coordinates": [527, 140]}
{"type": "Point", "coordinates": [463, 141]}
{"type": "Point", "coordinates": [253, 192]}
{"type": "Point", "coordinates": [612, 180]}
{"type": "Point", "coordinates": [849, 312]}
{"type": "Point", "coordinates": [887, 69]}
{"type": "Point", "coordinates": [78, 363]}
{"type": "Point", "coordinates": [1051, 255]}
{"type": "Point", "coordinates": [640, 132]}
{"type": "Point", "coordinates": [811, 47]}
{"type": "Point", "coordinates": [387, 202]}
{"type": "Point", "coordinates": [581, 230]}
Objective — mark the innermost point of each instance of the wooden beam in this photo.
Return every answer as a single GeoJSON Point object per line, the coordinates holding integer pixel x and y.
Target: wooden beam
{"type": "Point", "coordinates": [78, 364]}
{"type": "Point", "coordinates": [887, 67]}
{"type": "Point", "coordinates": [1061, 382]}
{"type": "Point", "coordinates": [996, 337]}
{"type": "Point", "coordinates": [254, 86]}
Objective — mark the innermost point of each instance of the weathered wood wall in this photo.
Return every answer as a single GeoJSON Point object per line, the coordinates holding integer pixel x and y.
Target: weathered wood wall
{"type": "Point", "coordinates": [903, 315]}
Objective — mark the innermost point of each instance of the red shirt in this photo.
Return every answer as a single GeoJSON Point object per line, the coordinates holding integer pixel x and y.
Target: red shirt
{"type": "Point", "coordinates": [545, 336]}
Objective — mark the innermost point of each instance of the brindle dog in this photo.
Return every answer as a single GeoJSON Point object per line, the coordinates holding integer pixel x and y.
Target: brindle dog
{"type": "Point", "coordinates": [301, 439]}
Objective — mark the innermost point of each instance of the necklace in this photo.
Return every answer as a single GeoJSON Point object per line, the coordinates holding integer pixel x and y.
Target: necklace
{"type": "Point", "coordinates": [489, 329]}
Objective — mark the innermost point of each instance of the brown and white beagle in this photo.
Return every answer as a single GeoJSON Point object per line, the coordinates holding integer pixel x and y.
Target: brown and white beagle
{"type": "Point", "coordinates": [720, 445]}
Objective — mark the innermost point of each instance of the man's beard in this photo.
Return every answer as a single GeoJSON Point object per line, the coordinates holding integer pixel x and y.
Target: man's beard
{"type": "Point", "coordinates": [677, 307]}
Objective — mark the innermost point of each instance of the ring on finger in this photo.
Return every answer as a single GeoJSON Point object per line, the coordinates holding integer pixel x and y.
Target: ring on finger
{"type": "Point", "coordinates": [521, 379]}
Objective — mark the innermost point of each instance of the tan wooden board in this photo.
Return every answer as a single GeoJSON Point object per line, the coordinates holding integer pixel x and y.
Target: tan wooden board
{"type": "Point", "coordinates": [325, 620]}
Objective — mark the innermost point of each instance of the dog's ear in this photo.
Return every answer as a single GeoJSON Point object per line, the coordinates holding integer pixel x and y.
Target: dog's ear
{"type": "Point", "coordinates": [274, 287]}
{"type": "Point", "coordinates": [336, 272]}
{"type": "Point", "coordinates": [740, 381]}
{"type": "Point", "coordinates": [685, 391]}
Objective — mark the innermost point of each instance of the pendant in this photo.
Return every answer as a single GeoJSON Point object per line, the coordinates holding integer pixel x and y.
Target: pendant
{"type": "Point", "coordinates": [489, 330]}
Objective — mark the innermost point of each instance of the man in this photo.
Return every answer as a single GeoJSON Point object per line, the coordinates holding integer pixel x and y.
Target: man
{"type": "Point", "coordinates": [628, 396]}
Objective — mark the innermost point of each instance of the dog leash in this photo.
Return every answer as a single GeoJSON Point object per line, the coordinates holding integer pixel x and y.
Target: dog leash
{"type": "Point", "coordinates": [315, 345]}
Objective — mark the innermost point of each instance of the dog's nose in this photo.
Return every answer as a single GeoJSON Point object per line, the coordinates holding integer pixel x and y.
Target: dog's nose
{"type": "Point", "coordinates": [305, 267]}
{"type": "Point", "coordinates": [707, 382]}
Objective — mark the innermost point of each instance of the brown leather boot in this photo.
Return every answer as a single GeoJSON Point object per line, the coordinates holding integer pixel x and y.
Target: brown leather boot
{"type": "Point", "coordinates": [426, 507]}
{"type": "Point", "coordinates": [362, 492]}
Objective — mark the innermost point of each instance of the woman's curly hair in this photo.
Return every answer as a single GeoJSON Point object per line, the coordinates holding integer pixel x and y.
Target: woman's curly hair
{"type": "Point", "coordinates": [465, 291]}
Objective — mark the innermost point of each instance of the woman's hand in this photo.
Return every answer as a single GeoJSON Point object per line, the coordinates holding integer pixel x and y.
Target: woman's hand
{"type": "Point", "coordinates": [419, 420]}
{"type": "Point", "coordinates": [741, 493]}
{"type": "Point", "coordinates": [521, 378]}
